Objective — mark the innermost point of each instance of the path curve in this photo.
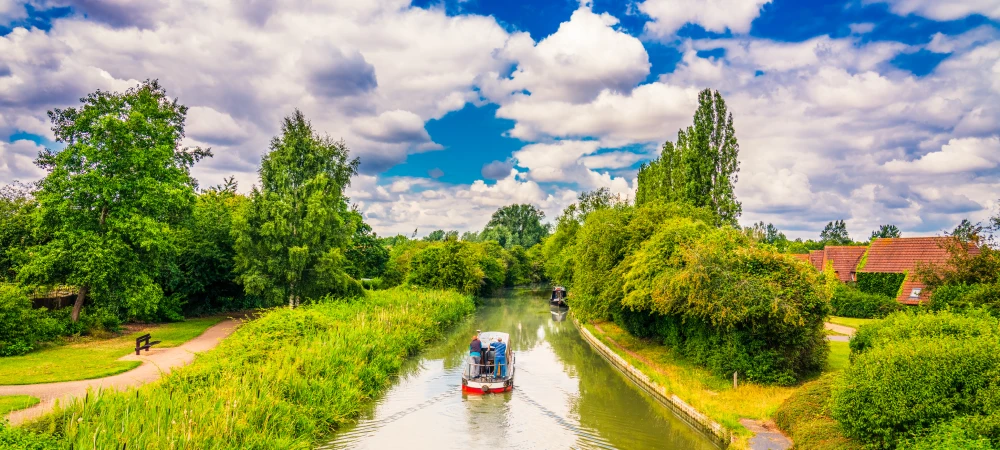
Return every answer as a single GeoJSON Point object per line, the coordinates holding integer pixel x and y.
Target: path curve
{"type": "Point", "coordinates": [846, 332]}
{"type": "Point", "coordinates": [155, 363]}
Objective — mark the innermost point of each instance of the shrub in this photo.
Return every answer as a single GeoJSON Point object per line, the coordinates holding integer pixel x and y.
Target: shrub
{"type": "Point", "coordinates": [915, 372]}
{"type": "Point", "coordinates": [806, 417]}
{"type": "Point", "coordinates": [21, 327]}
{"type": "Point", "coordinates": [21, 439]}
{"type": "Point", "coordinates": [966, 433]}
{"type": "Point", "coordinates": [879, 283]}
{"type": "Point", "coordinates": [962, 297]}
{"type": "Point", "coordinates": [850, 302]}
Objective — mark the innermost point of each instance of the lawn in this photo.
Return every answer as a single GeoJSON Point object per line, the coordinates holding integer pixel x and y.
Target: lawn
{"type": "Point", "coordinates": [851, 321]}
{"type": "Point", "coordinates": [10, 403]}
{"type": "Point", "coordinates": [94, 358]}
{"type": "Point", "coordinates": [840, 356]}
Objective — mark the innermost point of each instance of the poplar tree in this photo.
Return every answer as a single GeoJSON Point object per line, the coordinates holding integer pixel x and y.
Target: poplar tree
{"type": "Point", "coordinates": [292, 238]}
{"type": "Point", "coordinates": [701, 168]}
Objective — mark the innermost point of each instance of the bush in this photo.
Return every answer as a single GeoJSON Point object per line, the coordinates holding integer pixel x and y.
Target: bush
{"type": "Point", "coordinates": [878, 283]}
{"type": "Point", "coordinates": [962, 297]}
{"type": "Point", "coordinates": [964, 433]}
{"type": "Point", "coordinates": [850, 302]}
{"type": "Point", "coordinates": [21, 327]}
{"type": "Point", "coordinates": [21, 439]}
{"type": "Point", "coordinates": [914, 372]}
{"type": "Point", "coordinates": [806, 417]}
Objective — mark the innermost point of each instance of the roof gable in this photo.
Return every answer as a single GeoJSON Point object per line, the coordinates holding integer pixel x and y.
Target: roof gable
{"type": "Point", "coordinates": [844, 259]}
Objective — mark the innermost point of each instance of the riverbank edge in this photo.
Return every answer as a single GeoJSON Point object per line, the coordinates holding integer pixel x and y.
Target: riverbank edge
{"type": "Point", "coordinates": [718, 433]}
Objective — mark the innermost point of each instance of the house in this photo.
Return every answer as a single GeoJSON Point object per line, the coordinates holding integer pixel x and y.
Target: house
{"type": "Point", "coordinates": [816, 259]}
{"type": "Point", "coordinates": [903, 255]}
{"type": "Point", "coordinates": [844, 259]}
{"type": "Point", "coordinates": [801, 256]}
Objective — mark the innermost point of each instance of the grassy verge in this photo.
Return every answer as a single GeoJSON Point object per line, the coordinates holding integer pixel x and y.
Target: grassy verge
{"type": "Point", "coordinates": [94, 358]}
{"type": "Point", "coordinates": [285, 380]}
{"type": "Point", "coordinates": [10, 403]}
{"type": "Point", "coordinates": [705, 392]}
{"type": "Point", "coordinates": [851, 321]}
{"type": "Point", "coordinates": [806, 417]}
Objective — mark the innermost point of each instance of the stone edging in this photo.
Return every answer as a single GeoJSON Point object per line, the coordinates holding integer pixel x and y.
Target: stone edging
{"type": "Point", "coordinates": [695, 418]}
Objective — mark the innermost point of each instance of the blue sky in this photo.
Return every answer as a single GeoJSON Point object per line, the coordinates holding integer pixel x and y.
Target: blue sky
{"type": "Point", "coordinates": [869, 111]}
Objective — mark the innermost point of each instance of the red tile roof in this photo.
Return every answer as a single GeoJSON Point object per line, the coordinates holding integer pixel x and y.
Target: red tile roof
{"type": "Point", "coordinates": [844, 259]}
{"type": "Point", "coordinates": [816, 258]}
{"type": "Point", "coordinates": [802, 256]}
{"type": "Point", "coordinates": [898, 255]}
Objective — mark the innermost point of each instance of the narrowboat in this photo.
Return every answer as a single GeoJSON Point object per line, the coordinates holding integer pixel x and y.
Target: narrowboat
{"type": "Point", "coordinates": [487, 376]}
{"type": "Point", "coordinates": [558, 296]}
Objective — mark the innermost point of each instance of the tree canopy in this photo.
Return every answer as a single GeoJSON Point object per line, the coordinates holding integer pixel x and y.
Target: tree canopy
{"type": "Point", "coordinates": [701, 168]}
{"type": "Point", "coordinates": [517, 224]}
{"type": "Point", "coordinates": [886, 231]}
{"type": "Point", "coordinates": [112, 196]}
{"type": "Point", "coordinates": [292, 238]}
{"type": "Point", "coordinates": [835, 233]}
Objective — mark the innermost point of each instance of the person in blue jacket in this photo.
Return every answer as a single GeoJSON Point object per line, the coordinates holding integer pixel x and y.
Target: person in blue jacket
{"type": "Point", "coordinates": [501, 356]}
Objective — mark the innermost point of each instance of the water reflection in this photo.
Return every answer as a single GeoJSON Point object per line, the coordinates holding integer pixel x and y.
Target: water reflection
{"type": "Point", "coordinates": [565, 395]}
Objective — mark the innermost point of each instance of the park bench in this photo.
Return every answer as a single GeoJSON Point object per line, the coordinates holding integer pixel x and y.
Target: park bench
{"type": "Point", "coordinates": [142, 343]}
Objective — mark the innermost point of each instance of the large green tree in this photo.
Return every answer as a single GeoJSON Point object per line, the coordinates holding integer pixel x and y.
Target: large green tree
{"type": "Point", "coordinates": [112, 197]}
{"type": "Point", "coordinates": [701, 168]}
{"type": "Point", "coordinates": [17, 206]}
{"type": "Point", "coordinates": [517, 224]}
{"type": "Point", "coordinates": [886, 231]}
{"type": "Point", "coordinates": [835, 233]}
{"type": "Point", "coordinates": [292, 238]}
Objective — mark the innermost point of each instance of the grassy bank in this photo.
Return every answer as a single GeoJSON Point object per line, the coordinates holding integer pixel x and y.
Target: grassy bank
{"type": "Point", "coordinates": [10, 403]}
{"type": "Point", "coordinates": [851, 321]}
{"type": "Point", "coordinates": [285, 380]}
{"type": "Point", "coordinates": [92, 357]}
{"type": "Point", "coordinates": [713, 396]}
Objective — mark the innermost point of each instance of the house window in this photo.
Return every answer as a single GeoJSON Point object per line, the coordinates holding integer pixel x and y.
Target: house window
{"type": "Point", "coordinates": [915, 293]}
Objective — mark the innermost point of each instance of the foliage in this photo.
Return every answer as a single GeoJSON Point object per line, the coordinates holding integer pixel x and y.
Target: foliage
{"type": "Point", "coordinates": [366, 255]}
{"type": "Point", "coordinates": [21, 327]}
{"type": "Point", "coordinates": [711, 294]}
{"type": "Point", "coordinates": [470, 268]}
{"type": "Point", "coordinates": [964, 266]}
{"type": "Point", "coordinates": [292, 238]}
{"type": "Point", "coordinates": [848, 301]}
{"type": "Point", "coordinates": [880, 283]}
{"type": "Point", "coordinates": [806, 417]}
{"type": "Point", "coordinates": [17, 206]}
{"type": "Point", "coordinates": [964, 297]}
{"type": "Point", "coordinates": [768, 234]}
{"type": "Point", "coordinates": [967, 231]}
{"type": "Point", "coordinates": [112, 197]}
{"type": "Point", "coordinates": [835, 233]}
{"type": "Point", "coordinates": [205, 279]}
{"type": "Point", "coordinates": [701, 168]}
{"type": "Point", "coordinates": [516, 225]}
{"type": "Point", "coordinates": [18, 438]}
{"type": "Point", "coordinates": [902, 326]}
{"type": "Point", "coordinates": [886, 231]}
{"type": "Point", "coordinates": [285, 380]}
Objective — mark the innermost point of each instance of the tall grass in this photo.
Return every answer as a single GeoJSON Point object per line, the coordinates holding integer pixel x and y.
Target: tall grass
{"type": "Point", "coordinates": [283, 381]}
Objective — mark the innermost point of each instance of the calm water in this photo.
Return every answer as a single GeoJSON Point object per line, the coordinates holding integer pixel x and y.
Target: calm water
{"type": "Point", "coordinates": [565, 395]}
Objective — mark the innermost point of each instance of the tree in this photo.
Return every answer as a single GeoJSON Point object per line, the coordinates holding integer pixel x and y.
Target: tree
{"type": "Point", "coordinates": [112, 197]}
{"type": "Point", "coordinates": [436, 236]}
{"type": "Point", "coordinates": [291, 240]}
{"type": "Point", "coordinates": [768, 234]}
{"type": "Point", "coordinates": [967, 231]}
{"type": "Point", "coordinates": [17, 209]}
{"type": "Point", "coordinates": [702, 167]}
{"type": "Point", "coordinates": [518, 224]}
{"type": "Point", "coordinates": [886, 231]}
{"type": "Point", "coordinates": [835, 233]}
{"type": "Point", "coordinates": [366, 255]}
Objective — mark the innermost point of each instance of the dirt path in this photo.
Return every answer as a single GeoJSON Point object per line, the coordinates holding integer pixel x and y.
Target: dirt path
{"type": "Point", "coordinates": [155, 364]}
{"type": "Point", "coordinates": [847, 332]}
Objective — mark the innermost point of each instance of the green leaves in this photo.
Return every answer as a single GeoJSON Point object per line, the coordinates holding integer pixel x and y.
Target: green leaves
{"type": "Point", "coordinates": [291, 239]}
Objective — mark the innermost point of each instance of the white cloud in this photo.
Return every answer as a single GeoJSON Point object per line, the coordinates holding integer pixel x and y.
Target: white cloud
{"type": "Point", "coordinates": [713, 15]}
{"type": "Point", "coordinates": [17, 161]}
{"type": "Point", "coordinates": [11, 10]}
{"type": "Point", "coordinates": [944, 10]}
{"type": "Point", "coordinates": [957, 156]}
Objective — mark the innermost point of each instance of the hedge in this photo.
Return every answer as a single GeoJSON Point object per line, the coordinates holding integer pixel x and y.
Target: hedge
{"type": "Point", "coordinates": [851, 302]}
{"type": "Point", "coordinates": [881, 283]}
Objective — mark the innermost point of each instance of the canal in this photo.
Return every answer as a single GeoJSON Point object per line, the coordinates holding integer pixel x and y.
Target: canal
{"type": "Point", "coordinates": [565, 395]}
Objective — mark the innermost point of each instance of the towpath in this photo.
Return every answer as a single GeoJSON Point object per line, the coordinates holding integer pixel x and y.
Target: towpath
{"type": "Point", "coordinates": [846, 332]}
{"type": "Point", "coordinates": [155, 363]}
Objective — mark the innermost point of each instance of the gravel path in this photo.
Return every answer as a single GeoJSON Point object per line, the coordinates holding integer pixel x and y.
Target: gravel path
{"type": "Point", "coordinates": [155, 363]}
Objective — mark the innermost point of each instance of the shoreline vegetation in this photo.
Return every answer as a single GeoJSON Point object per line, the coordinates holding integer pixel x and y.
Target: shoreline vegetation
{"type": "Point", "coordinates": [269, 385]}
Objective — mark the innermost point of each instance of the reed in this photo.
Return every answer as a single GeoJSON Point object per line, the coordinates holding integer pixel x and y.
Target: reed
{"type": "Point", "coordinates": [285, 380]}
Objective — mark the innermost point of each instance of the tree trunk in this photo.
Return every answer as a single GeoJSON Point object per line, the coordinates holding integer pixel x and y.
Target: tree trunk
{"type": "Point", "coordinates": [291, 296]}
{"type": "Point", "coordinates": [78, 304]}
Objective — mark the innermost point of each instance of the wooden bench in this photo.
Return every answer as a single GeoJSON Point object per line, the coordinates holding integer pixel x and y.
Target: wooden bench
{"type": "Point", "coordinates": [142, 343]}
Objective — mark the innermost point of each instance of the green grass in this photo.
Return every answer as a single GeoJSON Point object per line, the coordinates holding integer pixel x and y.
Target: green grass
{"type": "Point", "coordinates": [806, 417]}
{"type": "Point", "coordinates": [283, 381]}
{"type": "Point", "coordinates": [94, 358]}
{"type": "Point", "coordinates": [840, 356]}
{"type": "Point", "coordinates": [851, 321]}
{"type": "Point", "coordinates": [10, 403]}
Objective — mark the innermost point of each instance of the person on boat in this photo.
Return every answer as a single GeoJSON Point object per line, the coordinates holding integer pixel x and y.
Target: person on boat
{"type": "Point", "coordinates": [476, 352]}
{"type": "Point", "coordinates": [500, 360]}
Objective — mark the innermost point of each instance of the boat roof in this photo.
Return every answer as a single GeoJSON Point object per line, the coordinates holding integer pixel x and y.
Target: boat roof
{"type": "Point", "coordinates": [558, 288]}
{"type": "Point", "coordinates": [488, 336]}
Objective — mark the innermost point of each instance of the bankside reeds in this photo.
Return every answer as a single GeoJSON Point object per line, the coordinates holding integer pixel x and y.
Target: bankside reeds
{"type": "Point", "coordinates": [283, 381]}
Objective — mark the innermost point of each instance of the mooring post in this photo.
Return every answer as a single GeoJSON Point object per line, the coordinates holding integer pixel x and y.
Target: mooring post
{"type": "Point", "coordinates": [734, 380]}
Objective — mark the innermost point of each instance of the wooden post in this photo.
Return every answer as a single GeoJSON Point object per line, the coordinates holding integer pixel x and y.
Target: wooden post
{"type": "Point", "coordinates": [734, 380]}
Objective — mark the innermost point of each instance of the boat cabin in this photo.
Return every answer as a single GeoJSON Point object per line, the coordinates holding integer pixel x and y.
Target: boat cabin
{"type": "Point", "coordinates": [558, 296]}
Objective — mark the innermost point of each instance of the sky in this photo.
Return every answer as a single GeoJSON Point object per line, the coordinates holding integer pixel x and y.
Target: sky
{"type": "Point", "coordinates": [870, 111]}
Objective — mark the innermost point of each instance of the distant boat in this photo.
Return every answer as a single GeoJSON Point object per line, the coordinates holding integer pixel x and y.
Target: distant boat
{"type": "Point", "coordinates": [558, 296]}
{"type": "Point", "coordinates": [486, 377]}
